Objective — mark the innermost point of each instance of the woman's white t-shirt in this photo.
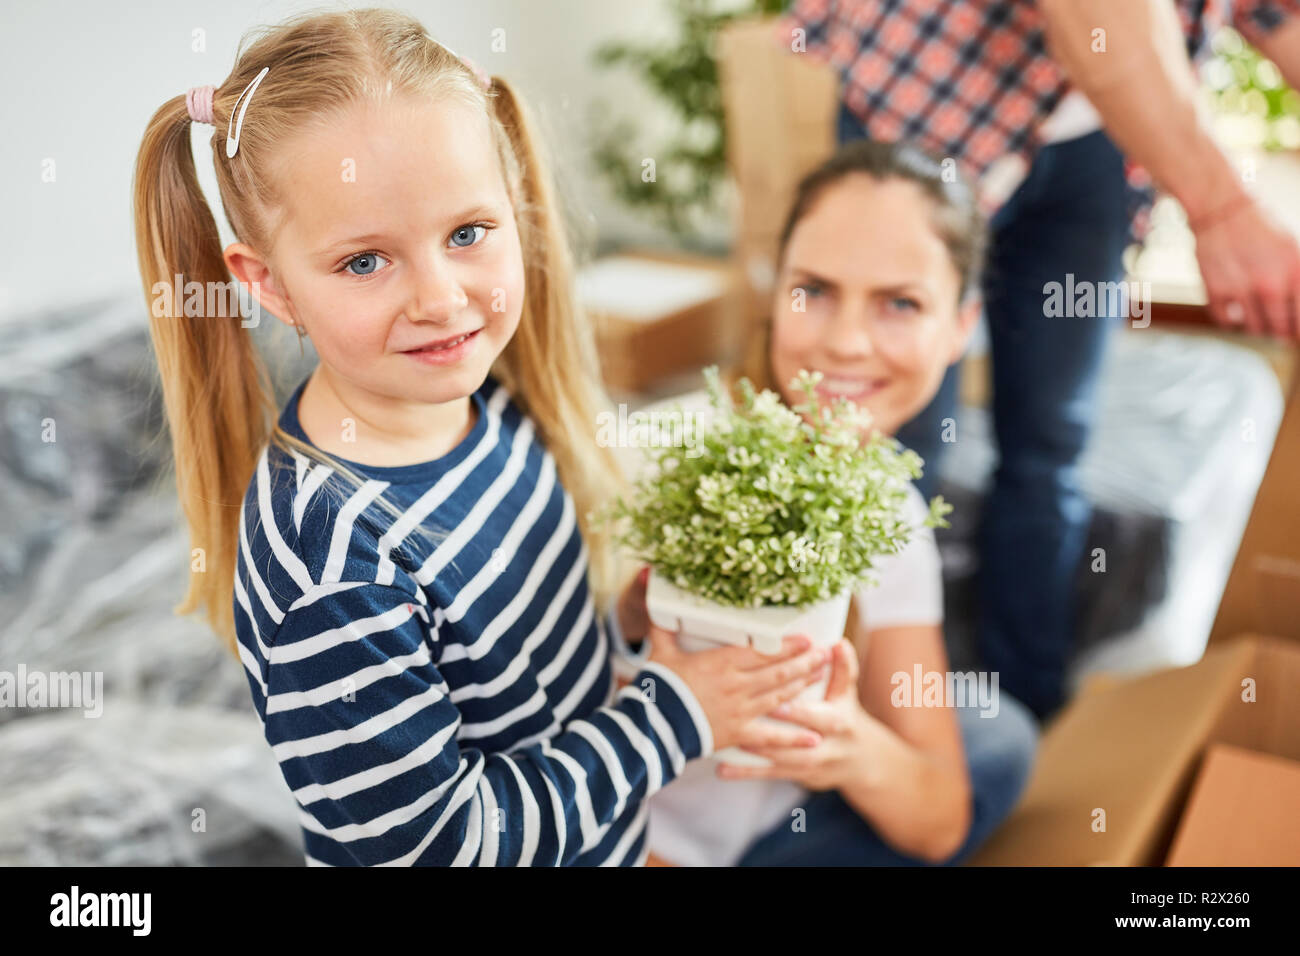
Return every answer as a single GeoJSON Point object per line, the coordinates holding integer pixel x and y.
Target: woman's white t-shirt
{"type": "Point", "coordinates": [700, 819]}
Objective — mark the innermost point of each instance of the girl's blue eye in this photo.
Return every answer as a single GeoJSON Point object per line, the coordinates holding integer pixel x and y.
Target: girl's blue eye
{"type": "Point", "coordinates": [467, 236]}
{"type": "Point", "coordinates": [902, 303]}
{"type": "Point", "coordinates": [366, 263]}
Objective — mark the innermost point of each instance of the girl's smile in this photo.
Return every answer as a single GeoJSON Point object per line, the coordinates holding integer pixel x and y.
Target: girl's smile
{"type": "Point", "coordinates": [446, 351]}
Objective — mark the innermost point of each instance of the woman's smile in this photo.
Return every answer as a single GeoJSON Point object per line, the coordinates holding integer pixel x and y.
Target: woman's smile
{"type": "Point", "coordinates": [853, 388]}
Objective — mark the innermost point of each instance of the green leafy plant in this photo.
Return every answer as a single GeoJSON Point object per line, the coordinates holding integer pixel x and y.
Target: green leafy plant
{"type": "Point", "coordinates": [1248, 91]}
{"type": "Point", "coordinates": [769, 508]}
{"type": "Point", "coordinates": [682, 74]}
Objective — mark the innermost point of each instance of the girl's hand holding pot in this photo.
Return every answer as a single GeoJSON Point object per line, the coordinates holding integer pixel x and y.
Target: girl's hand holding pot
{"type": "Point", "coordinates": [844, 727]}
{"type": "Point", "coordinates": [733, 684]}
{"type": "Point", "coordinates": [736, 685]}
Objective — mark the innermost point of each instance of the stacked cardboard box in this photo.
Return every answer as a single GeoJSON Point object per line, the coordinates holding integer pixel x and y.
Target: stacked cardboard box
{"type": "Point", "coordinates": [1116, 768]}
{"type": "Point", "coordinates": [1241, 812]}
{"type": "Point", "coordinates": [780, 123]}
{"type": "Point", "coordinates": [658, 316]}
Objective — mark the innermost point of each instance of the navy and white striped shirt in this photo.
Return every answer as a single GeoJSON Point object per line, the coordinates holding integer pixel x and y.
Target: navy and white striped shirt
{"type": "Point", "coordinates": [454, 703]}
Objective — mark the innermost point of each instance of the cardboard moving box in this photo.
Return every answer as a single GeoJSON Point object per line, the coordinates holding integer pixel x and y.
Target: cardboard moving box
{"type": "Point", "coordinates": [656, 316]}
{"type": "Point", "coordinates": [1242, 812]}
{"type": "Point", "coordinates": [1115, 769]}
{"type": "Point", "coordinates": [779, 109]}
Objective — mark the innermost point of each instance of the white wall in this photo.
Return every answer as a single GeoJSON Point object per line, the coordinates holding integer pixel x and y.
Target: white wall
{"type": "Point", "coordinates": [82, 77]}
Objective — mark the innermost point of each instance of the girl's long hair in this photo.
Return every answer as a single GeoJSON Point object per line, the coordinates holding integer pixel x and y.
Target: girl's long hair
{"type": "Point", "coordinates": [217, 393]}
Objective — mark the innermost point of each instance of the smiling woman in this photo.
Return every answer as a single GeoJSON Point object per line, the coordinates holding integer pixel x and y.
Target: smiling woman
{"type": "Point", "coordinates": [876, 260]}
{"type": "Point", "coordinates": [871, 315]}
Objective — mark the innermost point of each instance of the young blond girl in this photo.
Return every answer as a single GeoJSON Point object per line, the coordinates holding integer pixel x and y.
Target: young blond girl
{"type": "Point", "coordinates": [400, 557]}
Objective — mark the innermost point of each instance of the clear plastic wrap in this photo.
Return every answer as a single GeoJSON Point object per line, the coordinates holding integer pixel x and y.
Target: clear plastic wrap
{"type": "Point", "coordinates": [93, 559]}
{"type": "Point", "coordinates": [1185, 425]}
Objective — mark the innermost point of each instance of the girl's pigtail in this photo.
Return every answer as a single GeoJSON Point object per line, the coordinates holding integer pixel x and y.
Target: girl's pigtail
{"type": "Point", "coordinates": [216, 390]}
{"type": "Point", "coordinates": [551, 363]}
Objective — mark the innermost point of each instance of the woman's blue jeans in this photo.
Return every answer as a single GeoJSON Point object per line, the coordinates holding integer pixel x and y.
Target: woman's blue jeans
{"type": "Point", "coordinates": [1068, 222]}
{"type": "Point", "coordinates": [1000, 754]}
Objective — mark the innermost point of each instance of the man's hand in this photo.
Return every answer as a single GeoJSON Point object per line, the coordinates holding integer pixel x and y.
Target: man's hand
{"type": "Point", "coordinates": [1251, 267]}
{"type": "Point", "coordinates": [1143, 86]}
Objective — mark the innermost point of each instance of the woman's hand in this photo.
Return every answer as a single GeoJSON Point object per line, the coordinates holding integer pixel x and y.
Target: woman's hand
{"type": "Point", "coordinates": [904, 772]}
{"type": "Point", "coordinates": [843, 753]}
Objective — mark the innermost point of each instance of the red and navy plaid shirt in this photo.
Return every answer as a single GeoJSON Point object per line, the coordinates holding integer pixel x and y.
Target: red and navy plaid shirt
{"type": "Point", "coordinates": [973, 79]}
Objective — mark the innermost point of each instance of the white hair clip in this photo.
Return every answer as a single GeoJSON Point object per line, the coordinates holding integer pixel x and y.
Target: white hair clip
{"type": "Point", "coordinates": [232, 143]}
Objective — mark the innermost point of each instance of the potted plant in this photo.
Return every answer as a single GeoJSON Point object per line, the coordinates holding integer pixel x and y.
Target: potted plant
{"type": "Point", "coordinates": [768, 522]}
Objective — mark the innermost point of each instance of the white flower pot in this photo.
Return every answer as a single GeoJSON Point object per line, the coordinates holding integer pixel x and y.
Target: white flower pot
{"type": "Point", "coordinates": [704, 624]}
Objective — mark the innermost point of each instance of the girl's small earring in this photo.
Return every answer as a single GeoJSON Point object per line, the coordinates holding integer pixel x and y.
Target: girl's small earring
{"type": "Point", "coordinates": [301, 334]}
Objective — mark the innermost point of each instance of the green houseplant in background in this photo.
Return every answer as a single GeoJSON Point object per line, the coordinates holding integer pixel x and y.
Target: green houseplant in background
{"type": "Point", "coordinates": [1254, 105]}
{"type": "Point", "coordinates": [768, 522]}
{"type": "Point", "coordinates": [690, 163]}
